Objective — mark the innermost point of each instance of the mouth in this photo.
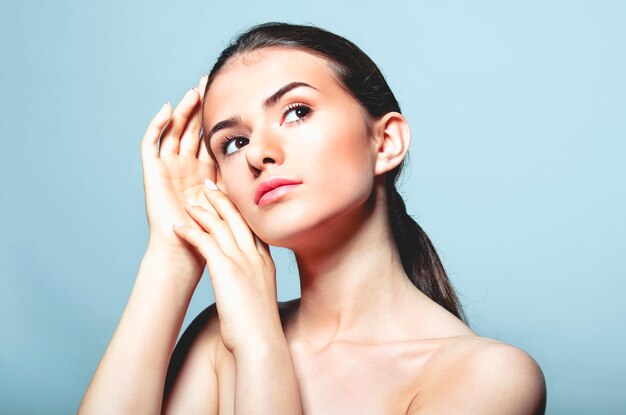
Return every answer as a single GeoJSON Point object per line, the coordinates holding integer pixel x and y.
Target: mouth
{"type": "Point", "coordinates": [276, 194]}
{"type": "Point", "coordinates": [273, 189]}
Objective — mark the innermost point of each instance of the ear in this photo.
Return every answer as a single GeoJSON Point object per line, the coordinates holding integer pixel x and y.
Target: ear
{"type": "Point", "coordinates": [393, 138]}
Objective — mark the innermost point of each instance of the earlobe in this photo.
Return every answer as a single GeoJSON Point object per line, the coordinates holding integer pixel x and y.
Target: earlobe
{"type": "Point", "coordinates": [393, 140]}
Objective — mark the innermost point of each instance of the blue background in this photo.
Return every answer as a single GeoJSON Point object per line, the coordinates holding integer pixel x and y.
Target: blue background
{"type": "Point", "coordinates": [518, 116]}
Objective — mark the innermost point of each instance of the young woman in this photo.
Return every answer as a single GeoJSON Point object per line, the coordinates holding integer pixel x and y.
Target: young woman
{"type": "Point", "coordinates": [301, 141]}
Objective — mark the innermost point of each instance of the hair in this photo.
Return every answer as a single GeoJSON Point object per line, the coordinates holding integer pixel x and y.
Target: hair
{"type": "Point", "coordinates": [363, 79]}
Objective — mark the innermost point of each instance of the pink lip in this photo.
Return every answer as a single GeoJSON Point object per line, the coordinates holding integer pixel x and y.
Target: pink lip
{"type": "Point", "coordinates": [272, 189]}
{"type": "Point", "coordinates": [273, 195]}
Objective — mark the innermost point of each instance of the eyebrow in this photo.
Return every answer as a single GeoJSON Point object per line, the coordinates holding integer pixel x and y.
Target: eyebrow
{"type": "Point", "coordinates": [267, 103]}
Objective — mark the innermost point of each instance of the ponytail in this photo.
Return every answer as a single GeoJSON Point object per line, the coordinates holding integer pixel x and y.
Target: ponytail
{"type": "Point", "coordinates": [419, 258]}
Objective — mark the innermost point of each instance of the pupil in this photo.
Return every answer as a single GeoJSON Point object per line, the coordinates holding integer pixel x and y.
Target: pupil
{"type": "Point", "coordinates": [301, 112]}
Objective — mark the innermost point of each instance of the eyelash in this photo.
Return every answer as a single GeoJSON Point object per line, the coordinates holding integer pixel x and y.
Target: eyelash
{"type": "Point", "coordinates": [227, 140]}
{"type": "Point", "coordinates": [295, 106]}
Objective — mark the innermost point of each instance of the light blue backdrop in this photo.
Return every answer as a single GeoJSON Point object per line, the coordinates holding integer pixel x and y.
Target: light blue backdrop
{"type": "Point", "coordinates": [518, 115]}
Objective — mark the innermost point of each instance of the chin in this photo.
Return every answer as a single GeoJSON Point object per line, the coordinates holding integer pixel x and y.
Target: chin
{"type": "Point", "coordinates": [284, 236]}
{"type": "Point", "coordinates": [304, 231]}
{"type": "Point", "coordinates": [310, 222]}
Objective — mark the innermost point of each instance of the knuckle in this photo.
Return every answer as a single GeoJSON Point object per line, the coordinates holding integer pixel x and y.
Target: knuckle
{"type": "Point", "coordinates": [223, 227]}
{"type": "Point", "coordinates": [257, 261]}
{"type": "Point", "coordinates": [146, 141]}
{"type": "Point", "coordinates": [157, 124]}
{"type": "Point", "coordinates": [176, 116]}
{"type": "Point", "coordinates": [144, 151]}
{"type": "Point", "coordinates": [206, 238]}
{"type": "Point", "coordinates": [219, 199]}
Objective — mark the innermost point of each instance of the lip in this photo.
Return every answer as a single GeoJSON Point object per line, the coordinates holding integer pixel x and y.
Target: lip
{"type": "Point", "coordinates": [272, 184]}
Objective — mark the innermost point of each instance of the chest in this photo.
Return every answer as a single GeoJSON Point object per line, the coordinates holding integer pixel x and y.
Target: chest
{"type": "Point", "coordinates": [345, 379]}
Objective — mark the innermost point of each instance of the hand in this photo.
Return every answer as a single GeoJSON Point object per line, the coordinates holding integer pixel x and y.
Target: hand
{"type": "Point", "coordinates": [242, 273]}
{"type": "Point", "coordinates": [175, 164]}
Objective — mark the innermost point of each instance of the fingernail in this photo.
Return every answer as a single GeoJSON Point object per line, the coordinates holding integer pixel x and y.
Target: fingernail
{"type": "Point", "coordinates": [192, 202]}
{"type": "Point", "coordinates": [178, 224]}
{"type": "Point", "coordinates": [210, 185]}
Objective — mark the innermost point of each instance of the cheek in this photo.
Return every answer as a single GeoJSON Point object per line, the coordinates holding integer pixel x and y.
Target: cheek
{"type": "Point", "coordinates": [343, 167]}
{"type": "Point", "coordinates": [235, 190]}
{"type": "Point", "coordinates": [345, 150]}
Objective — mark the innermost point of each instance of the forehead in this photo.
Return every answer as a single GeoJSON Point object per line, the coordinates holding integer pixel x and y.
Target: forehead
{"type": "Point", "coordinates": [246, 80]}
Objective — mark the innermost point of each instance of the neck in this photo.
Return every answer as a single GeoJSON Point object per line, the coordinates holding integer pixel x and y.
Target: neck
{"type": "Point", "coordinates": [353, 285]}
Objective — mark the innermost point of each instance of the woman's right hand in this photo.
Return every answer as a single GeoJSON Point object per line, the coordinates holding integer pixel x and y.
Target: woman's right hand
{"type": "Point", "coordinates": [175, 164]}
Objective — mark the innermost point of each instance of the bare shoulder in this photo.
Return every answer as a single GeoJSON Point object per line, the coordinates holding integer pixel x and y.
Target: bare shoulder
{"type": "Point", "coordinates": [477, 375]}
{"type": "Point", "coordinates": [191, 384]}
{"type": "Point", "coordinates": [198, 345]}
{"type": "Point", "coordinates": [191, 381]}
{"type": "Point", "coordinates": [202, 336]}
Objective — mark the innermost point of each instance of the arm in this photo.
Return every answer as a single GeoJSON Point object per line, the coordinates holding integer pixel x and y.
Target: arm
{"type": "Point", "coordinates": [191, 384]}
{"type": "Point", "coordinates": [264, 377]}
{"type": "Point", "coordinates": [266, 380]}
{"type": "Point", "coordinates": [244, 283]}
{"type": "Point", "coordinates": [131, 373]}
{"type": "Point", "coordinates": [495, 378]}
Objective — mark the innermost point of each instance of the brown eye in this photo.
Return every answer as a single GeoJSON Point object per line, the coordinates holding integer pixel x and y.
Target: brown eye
{"type": "Point", "coordinates": [296, 113]}
{"type": "Point", "coordinates": [238, 142]}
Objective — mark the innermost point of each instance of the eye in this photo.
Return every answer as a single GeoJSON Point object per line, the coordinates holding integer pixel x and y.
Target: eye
{"type": "Point", "coordinates": [227, 144]}
{"type": "Point", "coordinates": [296, 112]}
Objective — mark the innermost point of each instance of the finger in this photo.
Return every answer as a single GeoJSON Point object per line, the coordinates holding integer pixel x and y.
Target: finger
{"type": "Point", "coordinates": [150, 141]}
{"type": "Point", "coordinates": [170, 141]}
{"type": "Point", "coordinates": [231, 215]}
{"type": "Point", "coordinates": [202, 88]}
{"type": "Point", "coordinates": [205, 204]}
{"type": "Point", "coordinates": [203, 152]}
{"type": "Point", "coordinates": [205, 158]}
{"type": "Point", "coordinates": [197, 194]}
{"type": "Point", "coordinates": [203, 242]}
{"type": "Point", "coordinates": [191, 137]}
{"type": "Point", "coordinates": [264, 249]}
{"type": "Point", "coordinates": [190, 140]}
{"type": "Point", "coordinates": [202, 85]}
{"type": "Point", "coordinates": [215, 226]}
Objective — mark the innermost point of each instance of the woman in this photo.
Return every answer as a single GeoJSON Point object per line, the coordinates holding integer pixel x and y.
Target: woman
{"type": "Point", "coordinates": [303, 141]}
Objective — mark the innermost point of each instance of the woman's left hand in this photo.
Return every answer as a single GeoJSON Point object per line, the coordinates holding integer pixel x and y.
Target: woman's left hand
{"type": "Point", "coordinates": [241, 269]}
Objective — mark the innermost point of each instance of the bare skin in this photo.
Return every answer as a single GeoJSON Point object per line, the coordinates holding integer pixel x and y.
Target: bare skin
{"type": "Point", "coordinates": [464, 374]}
{"type": "Point", "coordinates": [361, 339]}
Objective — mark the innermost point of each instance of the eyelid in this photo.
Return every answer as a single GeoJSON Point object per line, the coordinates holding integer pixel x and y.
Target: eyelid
{"type": "Point", "coordinates": [227, 140]}
{"type": "Point", "coordinates": [291, 107]}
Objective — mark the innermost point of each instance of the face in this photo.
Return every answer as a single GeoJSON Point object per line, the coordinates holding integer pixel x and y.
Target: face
{"type": "Point", "coordinates": [282, 113]}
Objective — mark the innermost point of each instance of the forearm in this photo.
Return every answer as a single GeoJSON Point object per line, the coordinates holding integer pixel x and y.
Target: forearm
{"type": "Point", "coordinates": [266, 381]}
{"type": "Point", "coordinates": [131, 375]}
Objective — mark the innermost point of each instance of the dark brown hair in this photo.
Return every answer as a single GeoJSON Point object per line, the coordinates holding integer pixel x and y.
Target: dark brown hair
{"type": "Point", "coordinates": [362, 78]}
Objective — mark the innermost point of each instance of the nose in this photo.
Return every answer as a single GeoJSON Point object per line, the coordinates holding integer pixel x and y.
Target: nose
{"type": "Point", "coordinates": [264, 149]}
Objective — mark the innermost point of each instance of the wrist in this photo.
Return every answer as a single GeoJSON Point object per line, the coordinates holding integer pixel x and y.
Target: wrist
{"type": "Point", "coordinates": [175, 257]}
{"type": "Point", "coordinates": [262, 349]}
